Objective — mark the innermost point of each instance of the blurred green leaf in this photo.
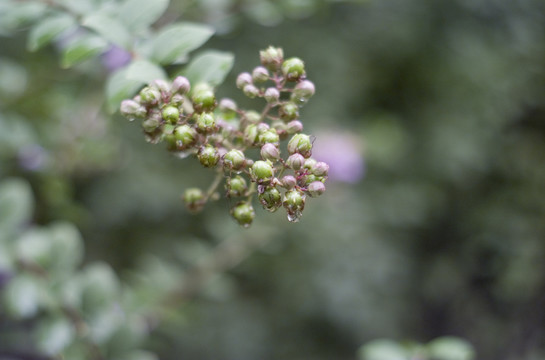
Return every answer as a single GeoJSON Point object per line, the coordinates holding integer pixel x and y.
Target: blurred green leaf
{"type": "Point", "coordinates": [81, 49]}
{"type": "Point", "coordinates": [45, 31]}
{"type": "Point", "coordinates": [105, 322]}
{"type": "Point", "coordinates": [22, 297]}
{"type": "Point", "coordinates": [210, 66]}
{"type": "Point", "coordinates": [450, 348]}
{"type": "Point", "coordinates": [14, 14]}
{"type": "Point", "coordinates": [173, 43]}
{"type": "Point", "coordinates": [54, 335]}
{"type": "Point", "coordinates": [139, 14]}
{"type": "Point", "coordinates": [67, 246]}
{"type": "Point", "coordinates": [35, 247]}
{"type": "Point", "coordinates": [80, 7]}
{"type": "Point", "coordinates": [16, 204]}
{"type": "Point", "coordinates": [109, 28]}
{"type": "Point", "coordinates": [145, 71]}
{"type": "Point", "coordinates": [141, 355]}
{"type": "Point", "coordinates": [382, 350]}
{"type": "Point", "coordinates": [125, 82]}
{"type": "Point", "coordinates": [100, 287]}
{"type": "Point", "coordinates": [13, 80]}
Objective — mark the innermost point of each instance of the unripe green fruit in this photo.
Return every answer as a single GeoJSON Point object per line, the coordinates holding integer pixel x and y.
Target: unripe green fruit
{"type": "Point", "coordinates": [234, 160]}
{"type": "Point", "coordinates": [260, 74]}
{"type": "Point", "coordinates": [268, 137]}
{"type": "Point", "coordinates": [250, 134]}
{"type": "Point", "coordinates": [262, 171]}
{"type": "Point", "coordinates": [293, 69]}
{"type": "Point", "coordinates": [150, 96]}
{"type": "Point", "coordinates": [236, 186]}
{"type": "Point", "coordinates": [294, 201]}
{"type": "Point", "coordinates": [250, 91]}
{"type": "Point", "coordinates": [289, 111]}
{"type": "Point", "coordinates": [300, 143]}
{"type": "Point", "coordinates": [271, 199]}
{"type": "Point", "coordinates": [150, 125]}
{"type": "Point", "coordinates": [244, 214]}
{"type": "Point", "coordinates": [203, 99]}
{"type": "Point", "coordinates": [171, 114]}
{"type": "Point", "coordinates": [253, 117]}
{"type": "Point", "coordinates": [194, 199]}
{"type": "Point", "coordinates": [206, 123]}
{"type": "Point", "coordinates": [316, 188]}
{"type": "Point", "coordinates": [310, 163]}
{"type": "Point", "coordinates": [208, 156]}
{"type": "Point", "coordinates": [185, 136]}
{"type": "Point", "coordinates": [272, 58]}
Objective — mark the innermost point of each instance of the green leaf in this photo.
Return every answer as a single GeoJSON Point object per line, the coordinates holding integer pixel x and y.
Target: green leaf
{"type": "Point", "coordinates": [22, 297]}
{"type": "Point", "coordinates": [82, 49]}
{"type": "Point", "coordinates": [140, 14]}
{"type": "Point", "coordinates": [382, 350]}
{"type": "Point", "coordinates": [54, 335]}
{"type": "Point", "coordinates": [124, 83]}
{"type": "Point", "coordinates": [100, 287]}
{"type": "Point", "coordinates": [145, 71]}
{"type": "Point", "coordinates": [141, 355]}
{"type": "Point", "coordinates": [173, 43]}
{"type": "Point", "coordinates": [16, 14]}
{"type": "Point", "coordinates": [13, 81]}
{"type": "Point", "coordinates": [210, 66]}
{"type": "Point", "coordinates": [16, 204]}
{"type": "Point", "coordinates": [34, 247]}
{"type": "Point", "coordinates": [48, 29]}
{"type": "Point", "coordinates": [450, 348]}
{"type": "Point", "coordinates": [67, 246]}
{"type": "Point", "coordinates": [109, 28]}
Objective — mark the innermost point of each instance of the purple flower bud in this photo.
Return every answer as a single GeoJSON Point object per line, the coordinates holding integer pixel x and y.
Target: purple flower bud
{"type": "Point", "coordinates": [294, 127]}
{"type": "Point", "coordinates": [227, 105]}
{"type": "Point", "coordinates": [320, 169]}
{"type": "Point", "coordinates": [316, 188]}
{"type": "Point", "coordinates": [132, 110]}
{"type": "Point", "coordinates": [260, 74]}
{"type": "Point", "coordinates": [262, 127]}
{"type": "Point", "coordinates": [162, 85]}
{"type": "Point", "coordinates": [272, 95]}
{"type": "Point", "coordinates": [243, 79]}
{"type": "Point", "coordinates": [180, 85]}
{"type": "Point", "coordinates": [270, 152]}
{"type": "Point", "coordinates": [295, 161]}
{"type": "Point", "coordinates": [289, 182]}
{"type": "Point", "coordinates": [304, 89]}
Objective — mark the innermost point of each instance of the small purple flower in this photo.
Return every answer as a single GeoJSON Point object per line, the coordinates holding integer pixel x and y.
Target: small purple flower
{"type": "Point", "coordinates": [343, 152]}
{"type": "Point", "coordinates": [115, 58]}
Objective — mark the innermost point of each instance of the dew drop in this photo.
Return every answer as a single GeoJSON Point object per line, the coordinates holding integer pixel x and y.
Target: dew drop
{"type": "Point", "coordinates": [183, 154]}
{"type": "Point", "coordinates": [294, 216]}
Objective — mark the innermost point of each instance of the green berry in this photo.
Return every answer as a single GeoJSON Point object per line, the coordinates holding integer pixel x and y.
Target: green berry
{"type": "Point", "coordinates": [269, 136]}
{"type": "Point", "coordinates": [206, 123]}
{"type": "Point", "coordinates": [150, 96]}
{"type": "Point", "coordinates": [250, 91]}
{"type": "Point", "coordinates": [250, 134]}
{"type": "Point", "coordinates": [203, 98]}
{"type": "Point", "coordinates": [234, 160]}
{"type": "Point", "coordinates": [244, 214]}
{"type": "Point", "coordinates": [185, 136]}
{"type": "Point", "coordinates": [289, 111]}
{"type": "Point", "coordinates": [262, 171]}
{"type": "Point", "coordinates": [294, 203]}
{"type": "Point", "coordinates": [208, 156]}
{"type": "Point", "coordinates": [253, 117]}
{"type": "Point", "coordinates": [171, 114]}
{"type": "Point", "coordinates": [150, 125]}
{"type": "Point", "coordinates": [271, 199]}
{"type": "Point", "coordinates": [293, 69]}
{"type": "Point", "coordinates": [272, 58]}
{"type": "Point", "coordinates": [300, 143]}
{"type": "Point", "coordinates": [194, 199]}
{"type": "Point", "coordinates": [236, 186]}
{"type": "Point", "coordinates": [132, 109]}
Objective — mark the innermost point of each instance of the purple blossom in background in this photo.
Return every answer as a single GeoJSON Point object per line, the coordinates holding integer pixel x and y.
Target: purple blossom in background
{"type": "Point", "coordinates": [33, 158]}
{"type": "Point", "coordinates": [344, 154]}
{"type": "Point", "coordinates": [115, 58]}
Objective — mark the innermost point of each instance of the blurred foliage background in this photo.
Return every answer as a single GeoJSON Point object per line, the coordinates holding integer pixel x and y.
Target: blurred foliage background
{"type": "Point", "coordinates": [431, 115]}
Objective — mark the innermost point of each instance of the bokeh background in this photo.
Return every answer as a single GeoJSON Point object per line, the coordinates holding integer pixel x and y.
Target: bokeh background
{"type": "Point", "coordinates": [432, 117]}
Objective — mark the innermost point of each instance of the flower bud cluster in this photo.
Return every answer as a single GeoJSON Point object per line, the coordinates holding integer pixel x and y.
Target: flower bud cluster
{"type": "Point", "coordinates": [220, 135]}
